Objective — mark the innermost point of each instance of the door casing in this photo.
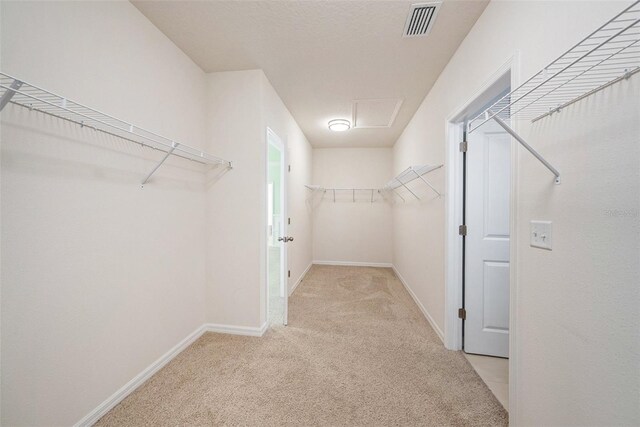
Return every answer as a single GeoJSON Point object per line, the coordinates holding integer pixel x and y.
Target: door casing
{"type": "Point", "coordinates": [273, 139]}
{"type": "Point", "coordinates": [454, 217]}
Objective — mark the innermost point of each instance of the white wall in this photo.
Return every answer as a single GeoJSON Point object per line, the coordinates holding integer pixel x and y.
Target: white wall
{"type": "Point", "coordinates": [242, 105]}
{"type": "Point", "coordinates": [235, 200]}
{"type": "Point", "coordinates": [99, 276]}
{"type": "Point", "coordinates": [581, 299]}
{"type": "Point", "coordinates": [345, 231]}
{"type": "Point", "coordinates": [1, 232]}
{"type": "Point", "coordinates": [576, 332]}
{"type": "Point", "coordinates": [278, 119]}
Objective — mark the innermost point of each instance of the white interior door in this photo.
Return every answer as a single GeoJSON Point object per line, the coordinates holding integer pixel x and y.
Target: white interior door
{"type": "Point", "coordinates": [277, 270]}
{"type": "Point", "coordinates": [488, 184]}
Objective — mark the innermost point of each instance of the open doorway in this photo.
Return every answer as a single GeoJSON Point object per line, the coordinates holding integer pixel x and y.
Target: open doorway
{"type": "Point", "coordinates": [277, 295]}
{"type": "Point", "coordinates": [487, 185]}
{"type": "Point", "coordinates": [481, 220]}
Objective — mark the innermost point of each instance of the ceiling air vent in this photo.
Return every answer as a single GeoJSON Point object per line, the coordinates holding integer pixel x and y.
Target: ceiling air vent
{"type": "Point", "coordinates": [421, 18]}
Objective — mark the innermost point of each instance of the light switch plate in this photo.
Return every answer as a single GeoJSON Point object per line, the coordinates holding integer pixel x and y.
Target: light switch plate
{"type": "Point", "coordinates": [541, 235]}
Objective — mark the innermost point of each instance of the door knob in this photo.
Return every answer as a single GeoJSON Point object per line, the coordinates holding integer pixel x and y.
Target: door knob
{"type": "Point", "coordinates": [288, 239]}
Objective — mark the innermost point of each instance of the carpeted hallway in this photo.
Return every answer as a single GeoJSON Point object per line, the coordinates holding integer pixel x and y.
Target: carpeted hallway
{"type": "Point", "coordinates": [357, 351]}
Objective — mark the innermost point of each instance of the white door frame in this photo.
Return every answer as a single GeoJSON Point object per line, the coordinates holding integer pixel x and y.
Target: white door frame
{"type": "Point", "coordinates": [453, 218]}
{"type": "Point", "coordinates": [273, 139]}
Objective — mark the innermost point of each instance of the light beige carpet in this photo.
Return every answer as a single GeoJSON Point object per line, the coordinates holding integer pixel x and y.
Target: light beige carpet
{"type": "Point", "coordinates": [357, 351]}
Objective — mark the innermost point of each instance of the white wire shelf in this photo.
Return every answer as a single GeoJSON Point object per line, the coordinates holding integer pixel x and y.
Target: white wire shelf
{"type": "Point", "coordinates": [23, 94]}
{"type": "Point", "coordinates": [410, 174]}
{"type": "Point", "coordinates": [606, 56]}
{"type": "Point", "coordinates": [395, 186]}
{"type": "Point", "coordinates": [354, 194]}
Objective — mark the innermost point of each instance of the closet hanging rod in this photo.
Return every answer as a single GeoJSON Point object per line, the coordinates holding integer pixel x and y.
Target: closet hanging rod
{"type": "Point", "coordinates": [26, 95]}
{"type": "Point", "coordinates": [591, 92]}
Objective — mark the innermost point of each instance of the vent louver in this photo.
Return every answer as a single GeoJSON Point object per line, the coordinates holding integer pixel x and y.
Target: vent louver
{"type": "Point", "coordinates": [421, 19]}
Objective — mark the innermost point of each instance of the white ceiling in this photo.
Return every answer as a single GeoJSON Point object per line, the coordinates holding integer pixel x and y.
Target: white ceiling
{"type": "Point", "coordinates": [321, 55]}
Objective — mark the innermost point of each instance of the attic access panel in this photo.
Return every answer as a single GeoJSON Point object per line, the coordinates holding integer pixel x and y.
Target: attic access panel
{"type": "Point", "coordinates": [374, 113]}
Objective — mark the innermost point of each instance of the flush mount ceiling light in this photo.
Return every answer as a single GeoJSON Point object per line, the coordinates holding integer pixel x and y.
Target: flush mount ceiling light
{"type": "Point", "coordinates": [339, 125]}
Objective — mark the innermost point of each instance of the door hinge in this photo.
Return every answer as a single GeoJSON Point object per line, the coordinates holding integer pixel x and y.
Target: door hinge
{"type": "Point", "coordinates": [289, 168]}
{"type": "Point", "coordinates": [462, 230]}
{"type": "Point", "coordinates": [289, 221]}
{"type": "Point", "coordinates": [462, 313]}
{"type": "Point", "coordinates": [463, 147]}
{"type": "Point", "coordinates": [289, 273]}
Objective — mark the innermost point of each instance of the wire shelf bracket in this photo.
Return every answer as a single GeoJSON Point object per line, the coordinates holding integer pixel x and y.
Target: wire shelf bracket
{"type": "Point", "coordinates": [529, 148]}
{"type": "Point", "coordinates": [609, 55]}
{"type": "Point", "coordinates": [34, 98]}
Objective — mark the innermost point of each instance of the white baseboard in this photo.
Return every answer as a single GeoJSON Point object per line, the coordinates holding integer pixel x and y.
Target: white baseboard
{"type": "Point", "coordinates": [148, 372]}
{"type": "Point", "coordinates": [139, 379]}
{"type": "Point", "coordinates": [304, 273]}
{"type": "Point", "coordinates": [419, 304]}
{"type": "Point", "coordinates": [355, 263]}
{"type": "Point", "coordinates": [237, 330]}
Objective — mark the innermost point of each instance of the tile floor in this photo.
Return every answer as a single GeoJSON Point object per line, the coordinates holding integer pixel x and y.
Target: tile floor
{"type": "Point", "coordinates": [494, 371]}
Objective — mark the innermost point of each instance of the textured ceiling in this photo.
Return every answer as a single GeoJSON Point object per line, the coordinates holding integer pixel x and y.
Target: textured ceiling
{"type": "Point", "coordinates": [321, 55]}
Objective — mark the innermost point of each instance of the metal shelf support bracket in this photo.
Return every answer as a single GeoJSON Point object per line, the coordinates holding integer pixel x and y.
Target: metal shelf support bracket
{"type": "Point", "coordinates": [165, 157]}
{"type": "Point", "coordinates": [6, 97]}
{"type": "Point", "coordinates": [529, 148]}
